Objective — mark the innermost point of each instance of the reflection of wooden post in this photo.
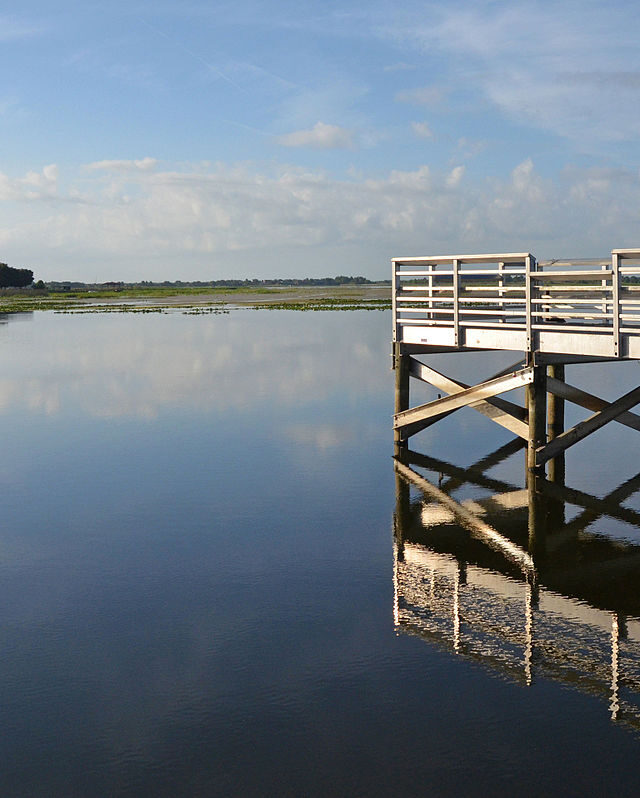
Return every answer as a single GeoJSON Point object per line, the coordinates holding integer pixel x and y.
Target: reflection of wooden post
{"type": "Point", "coordinates": [537, 518]}
{"type": "Point", "coordinates": [401, 517]}
{"type": "Point", "coordinates": [555, 425]}
{"type": "Point", "coordinates": [537, 409]}
{"type": "Point", "coordinates": [401, 364]}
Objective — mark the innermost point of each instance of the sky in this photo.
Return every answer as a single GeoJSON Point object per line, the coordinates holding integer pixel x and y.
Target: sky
{"type": "Point", "coordinates": [268, 138]}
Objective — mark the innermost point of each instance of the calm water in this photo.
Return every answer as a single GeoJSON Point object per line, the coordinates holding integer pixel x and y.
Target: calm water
{"type": "Point", "coordinates": [212, 582]}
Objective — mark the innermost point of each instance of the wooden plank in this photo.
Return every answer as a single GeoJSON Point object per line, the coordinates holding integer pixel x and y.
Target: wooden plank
{"type": "Point", "coordinates": [567, 359]}
{"type": "Point", "coordinates": [626, 253]}
{"type": "Point", "coordinates": [479, 529]}
{"type": "Point", "coordinates": [507, 414]}
{"type": "Point", "coordinates": [463, 398]}
{"type": "Point", "coordinates": [402, 362]}
{"type": "Point", "coordinates": [529, 295]}
{"type": "Point", "coordinates": [395, 282]}
{"type": "Point", "coordinates": [555, 423]}
{"type": "Point", "coordinates": [584, 428]}
{"type": "Point", "coordinates": [456, 304]}
{"type": "Point", "coordinates": [537, 412]}
{"type": "Point", "coordinates": [589, 401]}
{"type": "Point", "coordinates": [596, 274]}
{"type": "Point", "coordinates": [615, 261]}
{"type": "Point", "coordinates": [543, 264]}
{"type": "Point", "coordinates": [509, 257]}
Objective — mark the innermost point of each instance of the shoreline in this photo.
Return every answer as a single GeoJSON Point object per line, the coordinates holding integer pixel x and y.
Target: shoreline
{"type": "Point", "coordinates": [349, 297]}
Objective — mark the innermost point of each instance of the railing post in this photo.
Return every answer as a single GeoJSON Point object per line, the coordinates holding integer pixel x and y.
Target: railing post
{"type": "Point", "coordinates": [529, 294]}
{"type": "Point", "coordinates": [430, 304]}
{"type": "Point", "coordinates": [456, 305]}
{"type": "Point", "coordinates": [501, 289]}
{"type": "Point", "coordinates": [395, 284]}
{"type": "Point", "coordinates": [615, 287]}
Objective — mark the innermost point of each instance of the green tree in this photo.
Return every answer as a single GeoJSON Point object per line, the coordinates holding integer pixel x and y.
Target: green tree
{"type": "Point", "coordinates": [14, 278]}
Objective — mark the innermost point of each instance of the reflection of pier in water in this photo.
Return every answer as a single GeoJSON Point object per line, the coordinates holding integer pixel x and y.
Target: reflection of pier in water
{"type": "Point", "coordinates": [507, 581]}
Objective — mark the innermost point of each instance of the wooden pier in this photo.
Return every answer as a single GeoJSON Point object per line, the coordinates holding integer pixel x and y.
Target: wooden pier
{"type": "Point", "coordinates": [555, 313]}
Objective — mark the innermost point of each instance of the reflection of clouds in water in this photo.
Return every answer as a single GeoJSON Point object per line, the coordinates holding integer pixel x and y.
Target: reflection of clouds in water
{"type": "Point", "coordinates": [119, 366]}
{"type": "Point", "coordinates": [323, 437]}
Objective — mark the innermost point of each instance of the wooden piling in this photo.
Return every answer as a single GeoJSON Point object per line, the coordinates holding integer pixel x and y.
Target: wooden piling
{"type": "Point", "coordinates": [555, 424]}
{"type": "Point", "coordinates": [537, 410]}
{"type": "Point", "coordinates": [401, 366]}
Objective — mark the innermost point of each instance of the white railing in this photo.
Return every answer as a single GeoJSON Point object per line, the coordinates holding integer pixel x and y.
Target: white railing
{"type": "Point", "coordinates": [514, 292]}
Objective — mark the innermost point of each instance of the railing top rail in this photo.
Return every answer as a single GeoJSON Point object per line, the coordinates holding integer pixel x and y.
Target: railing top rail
{"type": "Point", "coordinates": [563, 262]}
{"type": "Point", "coordinates": [626, 253]}
{"type": "Point", "coordinates": [581, 306]}
{"type": "Point", "coordinates": [506, 257]}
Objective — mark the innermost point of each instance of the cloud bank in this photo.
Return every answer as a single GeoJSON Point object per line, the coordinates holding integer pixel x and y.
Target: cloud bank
{"type": "Point", "coordinates": [210, 220]}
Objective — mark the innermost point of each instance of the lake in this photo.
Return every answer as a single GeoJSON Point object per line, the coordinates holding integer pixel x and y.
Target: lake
{"type": "Point", "coordinates": [213, 582]}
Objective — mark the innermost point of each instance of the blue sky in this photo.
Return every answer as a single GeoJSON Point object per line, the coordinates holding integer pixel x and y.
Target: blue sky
{"type": "Point", "coordinates": [194, 140]}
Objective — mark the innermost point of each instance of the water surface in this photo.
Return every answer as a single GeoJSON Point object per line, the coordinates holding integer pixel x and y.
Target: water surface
{"type": "Point", "coordinates": [201, 591]}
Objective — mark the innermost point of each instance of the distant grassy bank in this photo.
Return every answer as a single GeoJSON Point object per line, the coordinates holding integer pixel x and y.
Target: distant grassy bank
{"type": "Point", "coordinates": [197, 299]}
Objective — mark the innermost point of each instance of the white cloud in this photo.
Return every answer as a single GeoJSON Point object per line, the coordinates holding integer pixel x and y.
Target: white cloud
{"type": "Point", "coordinates": [422, 130]}
{"type": "Point", "coordinates": [320, 137]}
{"type": "Point", "coordinates": [572, 68]}
{"type": "Point", "coordinates": [32, 186]}
{"type": "Point", "coordinates": [211, 221]}
{"type": "Point", "coordinates": [455, 176]}
{"type": "Point", "coordinates": [123, 165]}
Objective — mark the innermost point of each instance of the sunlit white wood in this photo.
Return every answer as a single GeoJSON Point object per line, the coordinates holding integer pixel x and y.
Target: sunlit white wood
{"type": "Point", "coordinates": [463, 398]}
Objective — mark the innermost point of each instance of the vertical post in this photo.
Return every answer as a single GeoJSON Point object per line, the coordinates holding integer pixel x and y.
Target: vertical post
{"type": "Point", "coordinates": [555, 425]}
{"type": "Point", "coordinates": [430, 304]}
{"type": "Point", "coordinates": [537, 407]}
{"type": "Point", "coordinates": [456, 302]}
{"type": "Point", "coordinates": [501, 289]}
{"type": "Point", "coordinates": [615, 287]}
{"type": "Point", "coordinates": [401, 361]}
{"type": "Point", "coordinates": [528, 293]}
{"type": "Point", "coordinates": [395, 287]}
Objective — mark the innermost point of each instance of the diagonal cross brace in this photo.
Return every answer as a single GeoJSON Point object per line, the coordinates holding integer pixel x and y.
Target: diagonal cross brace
{"type": "Point", "coordinates": [589, 401]}
{"type": "Point", "coordinates": [507, 414]}
{"type": "Point", "coordinates": [586, 427]}
{"type": "Point", "coordinates": [463, 398]}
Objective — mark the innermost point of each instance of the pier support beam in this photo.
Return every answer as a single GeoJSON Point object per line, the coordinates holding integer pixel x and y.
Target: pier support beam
{"type": "Point", "coordinates": [401, 365]}
{"type": "Point", "coordinates": [537, 409]}
{"type": "Point", "coordinates": [555, 423]}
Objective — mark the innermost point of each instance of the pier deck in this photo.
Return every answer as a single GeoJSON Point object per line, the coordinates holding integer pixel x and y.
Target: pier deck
{"type": "Point", "coordinates": [554, 312]}
{"type": "Point", "coordinates": [512, 301]}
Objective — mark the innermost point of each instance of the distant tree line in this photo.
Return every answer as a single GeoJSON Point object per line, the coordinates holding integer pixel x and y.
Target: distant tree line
{"type": "Point", "coordinates": [14, 278]}
{"type": "Point", "coordinates": [341, 279]}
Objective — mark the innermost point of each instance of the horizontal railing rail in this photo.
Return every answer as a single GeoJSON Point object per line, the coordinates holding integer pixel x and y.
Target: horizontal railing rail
{"type": "Point", "coordinates": [513, 291]}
